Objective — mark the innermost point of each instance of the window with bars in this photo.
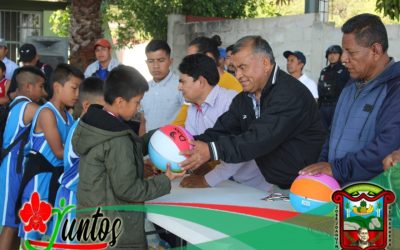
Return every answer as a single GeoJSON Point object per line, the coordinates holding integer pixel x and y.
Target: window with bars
{"type": "Point", "coordinates": [16, 26]}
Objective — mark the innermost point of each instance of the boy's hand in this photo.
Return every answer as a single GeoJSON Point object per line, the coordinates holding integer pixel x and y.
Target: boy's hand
{"type": "Point", "coordinates": [391, 160]}
{"type": "Point", "coordinates": [317, 168]}
{"type": "Point", "coordinates": [171, 175]}
{"type": "Point", "coordinates": [194, 181]}
{"type": "Point", "coordinates": [150, 169]}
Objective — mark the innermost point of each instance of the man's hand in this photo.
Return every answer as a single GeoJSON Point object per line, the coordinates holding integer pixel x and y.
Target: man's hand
{"type": "Point", "coordinates": [317, 168]}
{"type": "Point", "coordinates": [171, 175]}
{"type": "Point", "coordinates": [196, 157]}
{"type": "Point", "coordinates": [391, 160]}
{"type": "Point", "coordinates": [194, 181]}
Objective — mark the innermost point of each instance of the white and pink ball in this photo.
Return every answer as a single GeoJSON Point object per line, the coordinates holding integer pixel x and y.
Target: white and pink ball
{"type": "Point", "coordinates": [166, 144]}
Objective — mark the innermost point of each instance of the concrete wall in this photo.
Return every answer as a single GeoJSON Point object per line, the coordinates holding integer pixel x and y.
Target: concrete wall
{"type": "Point", "coordinates": [302, 32]}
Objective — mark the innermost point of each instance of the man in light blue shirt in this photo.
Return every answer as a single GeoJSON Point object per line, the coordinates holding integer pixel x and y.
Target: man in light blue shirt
{"type": "Point", "coordinates": [162, 102]}
{"type": "Point", "coordinates": [198, 83]}
{"type": "Point", "coordinates": [10, 65]}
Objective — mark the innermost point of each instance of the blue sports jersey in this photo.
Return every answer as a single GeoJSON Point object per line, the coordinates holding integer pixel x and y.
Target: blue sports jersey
{"type": "Point", "coordinates": [69, 179]}
{"type": "Point", "coordinates": [9, 178]}
{"type": "Point", "coordinates": [41, 182]}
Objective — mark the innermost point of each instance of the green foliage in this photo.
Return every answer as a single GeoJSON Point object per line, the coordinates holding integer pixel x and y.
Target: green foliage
{"type": "Point", "coordinates": [140, 20]}
{"type": "Point", "coordinates": [60, 22]}
{"type": "Point", "coordinates": [390, 8]}
{"type": "Point", "coordinates": [143, 19]}
{"type": "Point", "coordinates": [342, 10]}
{"type": "Point", "coordinates": [133, 21]}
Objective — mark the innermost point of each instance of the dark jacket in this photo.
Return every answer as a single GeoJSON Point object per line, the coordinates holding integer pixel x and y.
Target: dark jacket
{"type": "Point", "coordinates": [365, 128]}
{"type": "Point", "coordinates": [111, 173]}
{"type": "Point", "coordinates": [287, 137]}
{"type": "Point", "coordinates": [331, 82]}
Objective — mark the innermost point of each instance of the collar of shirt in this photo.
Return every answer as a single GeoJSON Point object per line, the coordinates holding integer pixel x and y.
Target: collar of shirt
{"type": "Point", "coordinates": [256, 104]}
{"type": "Point", "coordinates": [210, 100]}
{"type": "Point", "coordinates": [19, 97]}
{"type": "Point", "coordinates": [113, 63]}
{"type": "Point", "coordinates": [163, 82]}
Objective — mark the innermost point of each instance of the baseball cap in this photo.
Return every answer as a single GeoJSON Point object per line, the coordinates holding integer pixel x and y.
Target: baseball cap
{"type": "Point", "coordinates": [222, 52]}
{"type": "Point", "coordinates": [3, 43]}
{"type": "Point", "coordinates": [298, 54]}
{"type": "Point", "coordinates": [103, 43]}
{"type": "Point", "coordinates": [27, 52]}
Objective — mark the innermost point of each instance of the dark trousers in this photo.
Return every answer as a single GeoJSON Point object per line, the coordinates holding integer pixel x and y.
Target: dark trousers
{"type": "Point", "coordinates": [327, 111]}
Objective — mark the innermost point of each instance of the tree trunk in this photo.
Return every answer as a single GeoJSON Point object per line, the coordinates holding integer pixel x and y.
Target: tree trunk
{"type": "Point", "coordinates": [85, 30]}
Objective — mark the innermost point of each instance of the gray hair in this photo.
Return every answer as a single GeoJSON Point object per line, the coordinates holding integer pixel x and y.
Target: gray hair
{"type": "Point", "coordinates": [258, 45]}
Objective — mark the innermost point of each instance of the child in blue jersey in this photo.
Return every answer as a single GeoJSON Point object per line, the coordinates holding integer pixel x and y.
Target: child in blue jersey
{"type": "Point", "coordinates": [50, 127]}
{"type": "Point", "coordinates": [90, 92]}
{"type": "Point", "coordinates": [30, 82]}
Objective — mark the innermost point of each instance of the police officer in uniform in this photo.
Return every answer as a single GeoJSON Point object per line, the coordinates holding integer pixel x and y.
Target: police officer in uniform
{"type": "Point", "coordinates": [330, 84]}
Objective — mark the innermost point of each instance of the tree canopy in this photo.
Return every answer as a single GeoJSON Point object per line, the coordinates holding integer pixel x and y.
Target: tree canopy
{"type": "Point", "coordinates": [143, 19]}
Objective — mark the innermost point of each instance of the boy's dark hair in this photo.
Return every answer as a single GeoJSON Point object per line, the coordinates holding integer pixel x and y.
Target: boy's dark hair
{"type": "Point", "coordinates": [155, 45]}
{"type": "Point", "coordinates": [124, 81]}
{"type": "Point", "coordinates": [64, 71]}
{"type": "Point", "coordinates": [91, 86]}
{"type": "Point", "coordinates": [3, 67]}
{"type": "Point", "coordinates": [368, 29]}
{"type": "Point", "coordinates": [200, 65]}
{"type": "Point", "coordinates": [27, 74]}
{"type": "Point", "coordinates": [207, 45]}
{"type": "Point", "coordinates": [229, 48]}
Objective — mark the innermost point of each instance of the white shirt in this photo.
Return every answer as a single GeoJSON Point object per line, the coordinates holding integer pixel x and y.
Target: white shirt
{"type": "Point", "coordinates": [310, 84]}
{"type": "Point", "coordinates": [10, 67]}
{"type": "Point", "coordinates": [162, 102]}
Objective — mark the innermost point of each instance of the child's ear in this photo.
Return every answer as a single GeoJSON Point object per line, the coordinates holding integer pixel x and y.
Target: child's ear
{"type": "Point", "coordinates": [28, 87]}
{"type": "Point", "coordinates": [85, 105]}
{"type": "Point", "coordinates": [56, 86]}
{"type": "Point", "coordinates": [118, 101]}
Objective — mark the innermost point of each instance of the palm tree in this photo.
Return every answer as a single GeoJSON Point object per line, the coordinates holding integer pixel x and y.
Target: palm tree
{"type": "Point", "coordinates": [85, 30]}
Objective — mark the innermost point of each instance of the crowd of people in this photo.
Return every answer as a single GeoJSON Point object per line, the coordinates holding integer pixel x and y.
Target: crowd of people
{"type": "Point", "coordinates": [252, 122]}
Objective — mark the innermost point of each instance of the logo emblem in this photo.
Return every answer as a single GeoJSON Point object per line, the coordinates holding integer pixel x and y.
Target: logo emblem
{"type": "Point", "coordinates": [363, 216]}
{"type": "Point", "coordinates": [36, 214]}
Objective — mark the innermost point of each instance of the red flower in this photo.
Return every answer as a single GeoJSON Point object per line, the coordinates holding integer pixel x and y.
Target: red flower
{"type": "Point", "coordinates": [35, 214]}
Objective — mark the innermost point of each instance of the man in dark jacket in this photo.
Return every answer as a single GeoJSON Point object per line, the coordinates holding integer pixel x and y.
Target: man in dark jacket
{"type": "Point", "coordinates": [366, 124]}
{"type": "Point", "coordinates": [330, 83]}
{"type": "Point", "coordinates": [29, 57]}
{"type": "Point", "coordinates": [275, 120]}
